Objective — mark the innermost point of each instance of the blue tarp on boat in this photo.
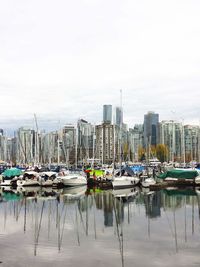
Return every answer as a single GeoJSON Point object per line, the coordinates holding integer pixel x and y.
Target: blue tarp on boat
{"type": "Point", "coordinates": [137, 168]}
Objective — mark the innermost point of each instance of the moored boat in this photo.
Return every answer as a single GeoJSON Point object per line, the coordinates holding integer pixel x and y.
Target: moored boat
{"type": "Point", "coordinates": [47, 178]}
{"type": "Point", "coordinates": [181, 176]}
{"type": "Point", "coordinates": [125, 182]}
{"type": "Point", "coordinates": [125, 179]}
{"type": "Point", "coordinates": [70, 179]}
{"type": "Point", "coordinates": [10, 175]}
{"type": "Point", "coordinates": [30, 178]}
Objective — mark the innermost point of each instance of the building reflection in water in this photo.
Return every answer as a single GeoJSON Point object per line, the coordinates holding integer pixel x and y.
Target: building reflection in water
{"type": "Point", "coordinates": [152, 202]}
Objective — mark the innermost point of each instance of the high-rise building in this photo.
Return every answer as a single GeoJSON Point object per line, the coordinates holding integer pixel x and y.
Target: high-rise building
{"type": "Point", "coordinates": [85, 140]}
{"type": "Point", "coordinates": [68, 143]}
{"type": "Point", "coordinates": [191, 134]}
{"type": "Point", "coordinates": [107, 113]}
{"type": "Point", "coordinates": [26, 146]}
{"type": "Point", "coordinates": [151, 128]}
{"type": "Point", "coordinates": [171, 135]}
{"type": "Point", "coordinates": [105, 142]}
{"type": "Point", "coordinates": [119, 116]}
{"type": "Point", "coordinates": [135, 141]}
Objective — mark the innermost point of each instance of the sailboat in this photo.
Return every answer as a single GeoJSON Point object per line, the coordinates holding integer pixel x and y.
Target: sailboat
{"type": "Point", "coordinates": [127, 179]}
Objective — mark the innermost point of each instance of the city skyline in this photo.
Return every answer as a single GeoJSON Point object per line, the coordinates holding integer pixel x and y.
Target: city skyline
{"type": "Point", "coordinates": [33, 123]}
{"type": "Point", "coordinates": [64, 60]}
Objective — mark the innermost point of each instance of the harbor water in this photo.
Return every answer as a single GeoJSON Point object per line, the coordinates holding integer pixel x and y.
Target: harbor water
{"type": "Point", "coordinates": [80, 227]}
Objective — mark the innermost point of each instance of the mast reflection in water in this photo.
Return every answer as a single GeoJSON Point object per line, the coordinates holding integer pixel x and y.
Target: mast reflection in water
{"type": "Point", "coordinates": [79, 227]}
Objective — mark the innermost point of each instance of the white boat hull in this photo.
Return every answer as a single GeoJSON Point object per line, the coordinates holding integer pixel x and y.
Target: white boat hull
{"type": "Point", "coordinates": [5, 183]}
{"type": "Point", "coordinates": [73, 180]}
{"type": "Point", "coordinates": [28, 182]}
{"type": "Point", "coordinates": [125, 182]}
{"type": "Point", "coordinates": [197, 180]}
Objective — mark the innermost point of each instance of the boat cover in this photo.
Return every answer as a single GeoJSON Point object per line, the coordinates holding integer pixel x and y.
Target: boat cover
{"type": "Point", "coordinates": [180, 174]}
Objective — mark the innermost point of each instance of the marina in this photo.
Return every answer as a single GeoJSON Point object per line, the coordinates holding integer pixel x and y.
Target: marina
{"type": "Point", "coordinates": [99, 133]}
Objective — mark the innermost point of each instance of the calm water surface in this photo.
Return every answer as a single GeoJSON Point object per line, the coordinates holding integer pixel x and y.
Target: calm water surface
{"type": "Point", "coordinates": [79, 228]}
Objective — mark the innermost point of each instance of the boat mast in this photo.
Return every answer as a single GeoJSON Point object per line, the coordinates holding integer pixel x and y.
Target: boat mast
{"type": "Point", "coordinates": [183, 142]}
{"type": "Point", "coordinates": [93, 147]}
{"type": "Point", "coordinates": [36, 142]}
{"type": "Point", "coordinates": [58, 148]}
{"type": "Point", "coordinates": [199, 143]}
{"type": "Point", "coordinates": [76, 146]}
{"type": "Point", "coordinates": [120, 133]}
{"type": "Point", "coordinates": [102, 146]}
{"type": "Point", "coordinates": [114, 141]}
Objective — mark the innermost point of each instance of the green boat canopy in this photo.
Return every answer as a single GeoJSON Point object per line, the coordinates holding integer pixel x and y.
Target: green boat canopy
{"type": "Point", "coordinates": [96, 172]}
{"type": "Point", "coordinates": [180, 174]}
{"type": "Point", "coordinates": [12, 172]}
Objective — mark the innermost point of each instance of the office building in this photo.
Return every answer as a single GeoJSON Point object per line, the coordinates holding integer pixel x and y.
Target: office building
{"type": "Point", "coordinates": [151, 129]}
{"type": "Point", "coordinates": [107, 113]}
{"type": "Point", "coordinates": [119, 116]}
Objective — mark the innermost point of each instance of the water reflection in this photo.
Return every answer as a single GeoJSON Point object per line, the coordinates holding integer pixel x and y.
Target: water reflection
{"type": "Point", "coordinates": [114, 228]}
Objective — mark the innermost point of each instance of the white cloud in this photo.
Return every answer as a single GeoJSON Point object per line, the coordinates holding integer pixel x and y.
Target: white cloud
{"type": "Point", "coordinates": [64, 59]}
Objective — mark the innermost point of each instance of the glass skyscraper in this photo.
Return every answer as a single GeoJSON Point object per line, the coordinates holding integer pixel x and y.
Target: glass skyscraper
{"type": "Point", "coordinates": [119, 116]}
{"type": "Point", "coordinates": [107, 113]}
{"type": "Point", "coordinates": [151, 128]}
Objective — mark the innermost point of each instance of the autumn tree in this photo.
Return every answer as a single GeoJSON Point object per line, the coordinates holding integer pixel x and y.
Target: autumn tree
{"type": "Point", "coordinates": [141, 153]}
{"type": "Point", "coordinates": [162, 152]}
{"type": "Point", "coordinates": [125, 151]}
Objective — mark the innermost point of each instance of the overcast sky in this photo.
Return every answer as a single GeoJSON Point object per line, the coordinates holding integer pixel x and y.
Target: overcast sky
{"type": "Point", "coordinates": [63, 60]}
